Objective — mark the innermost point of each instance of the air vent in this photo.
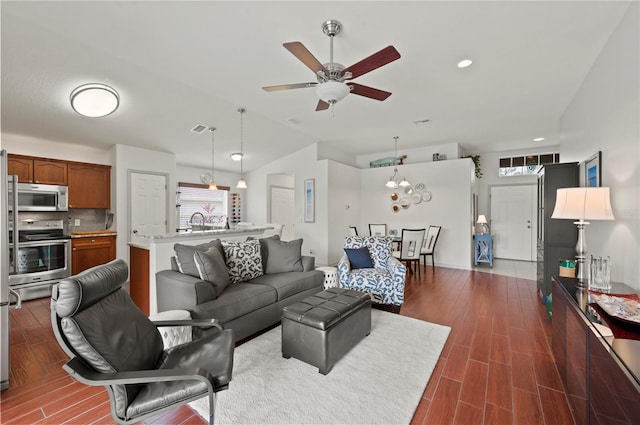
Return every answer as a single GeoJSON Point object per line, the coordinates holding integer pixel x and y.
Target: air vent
{"type": "Point", "coordinates": [199, 129]}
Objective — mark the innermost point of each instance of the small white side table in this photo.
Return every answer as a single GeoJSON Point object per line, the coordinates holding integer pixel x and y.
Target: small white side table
{"type": "Point", "coordinates": [330, 276]}
{"type": "Point", "coordinates": [173, 335]}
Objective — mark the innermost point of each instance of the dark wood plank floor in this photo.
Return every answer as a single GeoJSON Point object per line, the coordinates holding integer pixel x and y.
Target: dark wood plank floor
{"type": "Point", "coordinates": [496, 367]}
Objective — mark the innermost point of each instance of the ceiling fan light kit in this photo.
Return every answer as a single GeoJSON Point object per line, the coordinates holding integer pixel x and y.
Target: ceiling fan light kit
{"type": "Point", "coordinates": [332, 91]}
{"type": "Point", "coordinates": [333, 79]}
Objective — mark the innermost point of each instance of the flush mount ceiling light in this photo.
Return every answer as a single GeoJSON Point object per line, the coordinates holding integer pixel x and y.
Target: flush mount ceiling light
{"type": "Point", "coordinates": [464, 63]}
{"type": "Point", "coordinates": [236, 156]}
{"type": "Point", "coordinates": [538, 139]}
{"type": "Point", "coordinates": [94, 100]}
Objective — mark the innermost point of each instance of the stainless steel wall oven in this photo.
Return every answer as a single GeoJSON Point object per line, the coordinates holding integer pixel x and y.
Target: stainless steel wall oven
{"type": "Point", "coordinates": [41, 257]}
{"type": "Point", "coordinates": [39, 252]}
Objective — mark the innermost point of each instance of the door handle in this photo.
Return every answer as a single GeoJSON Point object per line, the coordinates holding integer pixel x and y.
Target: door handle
{"type": "Point", "coordinates": [135, 231]}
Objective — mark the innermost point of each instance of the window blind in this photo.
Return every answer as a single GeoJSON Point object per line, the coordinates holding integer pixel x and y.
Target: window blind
{"type": "Point", "coordinates": [195, 198]}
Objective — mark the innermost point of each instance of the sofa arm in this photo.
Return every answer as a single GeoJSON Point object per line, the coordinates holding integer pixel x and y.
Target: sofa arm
{"type": "Point", "coordinates": [177, 291]}
{"type": "Point", "coordinates": [308, 263]}
{"type": "Point", "coordinates": [344, 268]}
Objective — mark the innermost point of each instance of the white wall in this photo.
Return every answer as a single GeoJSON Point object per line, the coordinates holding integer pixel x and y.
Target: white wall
{"type": "Point", "coordinates": [450, 183]}
{"type": "Point", "coordinates": [414, 155]}
{"type": "Point", "coordinates": [25, 145]}
{"type": "Point", "coordinates": [344, 207]}
{"type": "Point", "coordinates": [302, 165]}
{"type": "Point", "coordinates": [128, 158]}
{"type": "Point", "coordinates": [604, 115]}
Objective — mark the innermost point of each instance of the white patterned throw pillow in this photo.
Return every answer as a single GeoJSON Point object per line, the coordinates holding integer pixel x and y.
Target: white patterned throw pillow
{"type": "Point", "coordinates": [243, 259]}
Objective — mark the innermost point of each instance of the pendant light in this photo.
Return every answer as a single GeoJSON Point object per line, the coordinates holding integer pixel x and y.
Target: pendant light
{"type": "Point", "coordinates": [241, 183]}
{"type": "Point", "coordinates": [393, 182]}
{"type": "Point", "coordinates": [212, 185]}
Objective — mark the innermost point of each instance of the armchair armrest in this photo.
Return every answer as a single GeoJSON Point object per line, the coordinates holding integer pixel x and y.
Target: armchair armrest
{"type": "Point", "coordinates": [177, 291]}
{"type": "Point", "coordinates": [201, 323]}
{"type": "Point", "coordinates": [83, 373]}
{"type": "Point", "coordinates": [344, 268]}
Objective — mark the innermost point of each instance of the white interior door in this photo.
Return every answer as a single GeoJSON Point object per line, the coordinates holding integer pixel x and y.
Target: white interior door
{"type": "Point", "coordinates": [283, 210]}
{"type": "Point", "coordinates": [148, 201]}
{"type": "Point", "coordinates": [513, 222]}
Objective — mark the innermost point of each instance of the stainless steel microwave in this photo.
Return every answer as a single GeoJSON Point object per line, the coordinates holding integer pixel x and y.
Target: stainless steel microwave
{"type": "Point", "coordinates": [39, 197]}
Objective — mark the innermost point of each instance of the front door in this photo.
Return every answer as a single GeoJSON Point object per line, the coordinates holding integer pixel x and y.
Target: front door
{"type": "Point", "coordinates": [148, 201]}
{"type": "Point", "coordinates": [512, 222]}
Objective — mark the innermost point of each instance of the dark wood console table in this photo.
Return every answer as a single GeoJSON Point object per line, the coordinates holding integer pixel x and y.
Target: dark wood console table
{"type": "Point", "coordinates": [601, 373]}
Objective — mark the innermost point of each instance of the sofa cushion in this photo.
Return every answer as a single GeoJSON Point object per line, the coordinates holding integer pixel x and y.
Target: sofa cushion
{"type": "Point", "coordinates": [212, 268]}
{"type": "Point", "coordinates": [184, 255]}
{"type": "Point", "coordinates": [243, 260]}
{"type": "Point", "coordinates": [237, 300]}
{"type": "Point", "coordinates": [291, 283]}
{"type": "Point", "coordinates": [282, 256]}
{"type": "Point", "coordinates": [359, 258]}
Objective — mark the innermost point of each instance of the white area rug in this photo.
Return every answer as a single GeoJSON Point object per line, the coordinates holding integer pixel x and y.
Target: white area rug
{"type": "Point", "coordinates": [379, 381]}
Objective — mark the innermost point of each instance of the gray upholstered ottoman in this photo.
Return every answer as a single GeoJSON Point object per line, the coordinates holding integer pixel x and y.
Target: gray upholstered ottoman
{"type": "Point", "coordinates": [322, 328]}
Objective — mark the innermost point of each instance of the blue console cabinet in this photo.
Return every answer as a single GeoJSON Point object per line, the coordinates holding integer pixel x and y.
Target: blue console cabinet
{"type": "Point", "coordinates": [483, 249]}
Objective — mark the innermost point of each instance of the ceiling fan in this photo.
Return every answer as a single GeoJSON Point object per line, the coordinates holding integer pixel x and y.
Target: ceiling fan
{"type": "Point", "coordinates": [332, 85]}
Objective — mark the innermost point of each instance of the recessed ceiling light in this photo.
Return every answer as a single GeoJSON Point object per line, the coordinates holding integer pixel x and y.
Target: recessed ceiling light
{"type": "Point", "coordinates": [464, 63]}
{"type": "Point", "coordinates": [538, 139]}
{"type": "Point", "coordinates": [236, 156]}
{"type": "Point", "coordinates": [94, 100]}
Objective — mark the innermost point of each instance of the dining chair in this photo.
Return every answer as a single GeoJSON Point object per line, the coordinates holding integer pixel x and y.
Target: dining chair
{"type": "Point", "coordinates": [410, 248]}
{"type": "Point", "coordinates": [429, 244]}
{"type": "Point", "coordinates": [353, 231]}
{"type": "Point", "coordinates": [377, 230]}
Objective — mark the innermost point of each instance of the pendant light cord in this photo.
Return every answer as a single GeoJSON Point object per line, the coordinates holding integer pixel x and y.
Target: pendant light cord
{"type": "Point", "coordinates": [241, 110]}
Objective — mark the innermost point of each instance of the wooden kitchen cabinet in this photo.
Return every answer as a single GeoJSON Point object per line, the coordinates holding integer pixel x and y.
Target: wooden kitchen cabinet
{"type": "Point", "coordinates": [91, 251]}
{"type": "Point", "coordinates": [37, 170]}
{"type": "Point", "coordinates": [89, 185]}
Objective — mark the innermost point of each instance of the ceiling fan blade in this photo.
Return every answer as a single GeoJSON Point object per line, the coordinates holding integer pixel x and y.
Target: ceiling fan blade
{"type": "Point", "coordinates": [322, 105]}
{"type": "Point", "coordinates": [289, 86]}
{"type": "Point", "coordinates": [369, 92]}
{"type": "Point", "coordinates": [305, 56]}
{"type": "Point", "coordinates": [375, 61]}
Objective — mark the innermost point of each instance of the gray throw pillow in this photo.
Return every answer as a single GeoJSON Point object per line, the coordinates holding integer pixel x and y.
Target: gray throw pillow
{"type": "Point", "coordinates": [184, 255]}
{"type": "Point", "coordinates": [282, 256]}
{"type": "Point", "coordinates": [211, 267]}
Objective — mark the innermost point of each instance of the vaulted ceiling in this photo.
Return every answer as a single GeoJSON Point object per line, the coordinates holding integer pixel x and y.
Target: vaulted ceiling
{"type": "Point", "coordinates": [177, 64]}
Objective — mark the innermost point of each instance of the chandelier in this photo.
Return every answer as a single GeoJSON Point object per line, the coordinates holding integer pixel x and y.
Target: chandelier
{"type": "Point", "coordinates": [393, 182]}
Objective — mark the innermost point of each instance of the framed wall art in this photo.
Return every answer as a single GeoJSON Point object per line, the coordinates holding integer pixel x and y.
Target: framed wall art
{"type": "Point", "coordinates": [592, 171]}
{"type": "Point", "coordinates": [309, 201]}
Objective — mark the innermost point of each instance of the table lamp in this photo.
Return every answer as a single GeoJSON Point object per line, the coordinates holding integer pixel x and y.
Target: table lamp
{"type": "Point", "coordinates": [483, 225]}
{"type": "Point", "coordinates": [582, 203]}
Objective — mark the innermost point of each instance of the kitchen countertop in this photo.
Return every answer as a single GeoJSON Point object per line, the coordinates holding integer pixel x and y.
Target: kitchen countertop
{"type": "Point", "coordinates": [91, 233]}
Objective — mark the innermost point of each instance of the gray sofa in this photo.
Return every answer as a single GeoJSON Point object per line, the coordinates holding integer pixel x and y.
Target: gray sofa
{"type": "Point", "coordinates": [246, 306]}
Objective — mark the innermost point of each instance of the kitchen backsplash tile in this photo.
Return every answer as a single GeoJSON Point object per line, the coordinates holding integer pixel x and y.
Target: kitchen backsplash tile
{"type": "Point", "coordinates": [90, 219]}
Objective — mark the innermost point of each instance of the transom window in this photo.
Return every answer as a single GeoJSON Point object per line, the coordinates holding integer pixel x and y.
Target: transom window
{"type": "Point", "coordinates": [526, 164]}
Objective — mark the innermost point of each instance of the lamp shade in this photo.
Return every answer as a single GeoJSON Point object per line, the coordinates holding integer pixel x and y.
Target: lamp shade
{"type": "Point", "coordinates": [482, 219]}
{"type": "Point", "coordinates": [583, 203]}
{"type": "Point", "coordinates": [332, 91]}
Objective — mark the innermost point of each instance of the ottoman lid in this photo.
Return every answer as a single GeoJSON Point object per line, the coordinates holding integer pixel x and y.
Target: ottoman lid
{"type": "Point", "coordinates": [326, 308]}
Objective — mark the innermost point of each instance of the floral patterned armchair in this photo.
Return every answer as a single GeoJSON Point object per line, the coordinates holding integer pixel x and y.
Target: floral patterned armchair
{"type": "Point", "coordinates": [384, 282]}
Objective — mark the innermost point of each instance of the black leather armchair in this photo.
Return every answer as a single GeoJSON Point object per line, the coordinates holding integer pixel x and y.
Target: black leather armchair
{"type": "Point", "coordinates": [112, 343]}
